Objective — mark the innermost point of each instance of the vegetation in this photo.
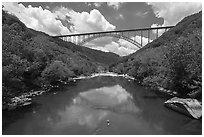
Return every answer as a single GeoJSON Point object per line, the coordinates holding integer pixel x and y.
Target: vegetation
{"type": "Point", "coordinates": [32, 60]}
{"type": "Point", "coordinates": [173, 61]}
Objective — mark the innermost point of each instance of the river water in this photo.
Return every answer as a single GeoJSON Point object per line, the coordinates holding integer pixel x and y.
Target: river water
{"type": "Point", "coordinates": [99, 105]}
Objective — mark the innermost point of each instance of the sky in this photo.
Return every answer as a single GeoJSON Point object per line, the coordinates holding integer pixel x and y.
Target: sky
{"type": "Point", "coordinates": [61, 18]}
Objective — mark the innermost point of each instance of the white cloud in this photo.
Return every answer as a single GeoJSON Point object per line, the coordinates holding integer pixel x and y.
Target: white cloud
{"type": "Point", "coordinates": [101, 41]}
{"type": "Point", "coordinates": [127, 44]}
{"type": "Point", "coordinates": [173, 12]}
{"type": "Point", "coordinates": [89, 22]}
{"type": "Point", "coordinates": [37, 18]}
{"type": "Point", "coordinates": [48, 22]}
{"type": "Point", "coordinates": [88, 3]}
{"type": "Point", "coordinates": [115, 48]}
{"type": "Point", "coordinates": [142, 14]}
{"type": "Point", "coordinates": [61, 12]}
{"type": "Point", "coordinates": [47, 7]}
{"type": "Point", "coordinates": [133, 48]}
{"type": "Point", "coordinates": [118, 49]}
{"type": "Point", "coordinates": [144, 40]}
{"type": "Point", "coordinates": [83, 22]}
{"type": "Point", "coordinates": [115, 5]}
{"type": "Point", "coordinates": [100, 48]}
{"type": "Point", "coordinates": [160, 31]}
{"type": "Point", "coordinates": [97, 4]}
{"type": "Point", "coordinates": [121, 47]}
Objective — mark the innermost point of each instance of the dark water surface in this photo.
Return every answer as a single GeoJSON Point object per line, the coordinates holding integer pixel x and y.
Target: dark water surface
{"type": "Point", "coordinates": [84, 107]}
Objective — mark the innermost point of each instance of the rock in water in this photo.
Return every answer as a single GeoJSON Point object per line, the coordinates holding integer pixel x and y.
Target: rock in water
{"type": "Point", "coordinates": [193, 107]}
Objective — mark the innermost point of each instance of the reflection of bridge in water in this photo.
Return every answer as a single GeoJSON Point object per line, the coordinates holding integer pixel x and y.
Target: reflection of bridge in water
{"type": "Point", "coordinates": [128, 35]}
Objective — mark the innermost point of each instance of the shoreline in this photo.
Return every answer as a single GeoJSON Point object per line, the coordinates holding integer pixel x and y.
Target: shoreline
{"type": "Point", "coordinates": [26, 98]}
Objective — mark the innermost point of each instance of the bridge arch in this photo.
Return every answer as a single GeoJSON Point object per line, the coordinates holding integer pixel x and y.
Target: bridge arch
{"type": "Point", "coordinates": [110, 35]}
{"type": "Point", "coordinates": [81, 39]}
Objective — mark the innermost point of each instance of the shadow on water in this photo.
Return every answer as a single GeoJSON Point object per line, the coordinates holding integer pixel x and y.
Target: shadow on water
{"type": "Point", "coordinates": [11, 116]}
{"type": "Point", "coordinates": [85, 106]}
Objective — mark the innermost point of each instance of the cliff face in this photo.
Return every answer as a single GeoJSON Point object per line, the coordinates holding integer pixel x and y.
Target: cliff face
{"type": "Point", "coordinates": [173, 61]}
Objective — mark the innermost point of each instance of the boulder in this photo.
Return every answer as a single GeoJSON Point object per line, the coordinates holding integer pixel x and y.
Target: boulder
{"type": "Point", "coordinates": [188, 106]}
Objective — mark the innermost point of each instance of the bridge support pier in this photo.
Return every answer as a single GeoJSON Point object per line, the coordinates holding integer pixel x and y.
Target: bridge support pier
{"type": "Point", "coordinates": [157, 33]}
{"type": "Point", "coordinates": [141, 37]}
{"type": "Point", "coordinates": [148, 36]}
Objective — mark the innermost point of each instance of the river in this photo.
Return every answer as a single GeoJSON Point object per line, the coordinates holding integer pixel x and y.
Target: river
{"type": "Point", "coordinates": [99, 105]}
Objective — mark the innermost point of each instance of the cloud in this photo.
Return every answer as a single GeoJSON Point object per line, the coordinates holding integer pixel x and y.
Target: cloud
{"type": "Point", "coordinates": [144, 40]}
{"type": "Point", "coordinates": [114, 47]}
{"type": "Point", "coordinates": [99, 42]}
{"type": "Point", "coordinates": [142, 14]}
{"type": "Point", "coordinates": [173, 12]}
{"type": "Point", "coordinates": [83, 22]}
{"type": "Point", "coordinates": [37, 18]}
{"type": "Point", "coordinates": [127, 44]}
{"type": "Point", "coordinates": [100, 48]}
{"type": "Point", "coordinates": [48, 21]}
{"type": "Point", "coordinates": [115, 5]}
{"type": "Point", "coordinates": [88, 4]}
{"type": "Point", "coordinates": [121, 47]}
{"type": "Point", "coordinates": [97, 4]}
{"type": "Point", "coordinates": [160, 31]}
{"type": "Point", "coordinates": [126, 48]}
{"type": "Point", "coordinates": [118, 49]}
{"type": "Point", "coordinates": [137, 38]}
{"type": "Point", "coordinates": [47, 7]}
{"type": "Point", "coordinates": [89, 22]}
{"type": "Point", "coordinates": [131, 46]}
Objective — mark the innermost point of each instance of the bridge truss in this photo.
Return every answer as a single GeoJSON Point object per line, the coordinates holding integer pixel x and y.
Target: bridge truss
{"type": "Point", "coordinates": [128, 35]}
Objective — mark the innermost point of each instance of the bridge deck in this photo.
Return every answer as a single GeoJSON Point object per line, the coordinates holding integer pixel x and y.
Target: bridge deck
{"type": "Point", "coordinates": [117, 31]}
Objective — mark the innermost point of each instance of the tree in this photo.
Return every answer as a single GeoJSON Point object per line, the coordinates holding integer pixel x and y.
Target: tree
{"type": "Point", "coordinates": [55, 72]}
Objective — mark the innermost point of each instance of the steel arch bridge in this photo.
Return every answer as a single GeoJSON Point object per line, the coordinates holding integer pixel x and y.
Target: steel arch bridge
{"type": "Point", "coordinates": [128, 35]}
{"type": "Point", "coordinates": [119, 36]}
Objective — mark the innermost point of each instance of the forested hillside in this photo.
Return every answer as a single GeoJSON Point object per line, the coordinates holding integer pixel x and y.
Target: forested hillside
{"type": "Point", "coordinates": [34, 60]}
{"type": "Point", "coordinates": [104, 58]}
{"type": "Point", "coordinates": [173, 61]}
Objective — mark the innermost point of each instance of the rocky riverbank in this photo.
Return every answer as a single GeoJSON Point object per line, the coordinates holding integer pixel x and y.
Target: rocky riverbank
{"type": "Point", "coordinates": [26, 98]}
{"type": "Point", "coordinates": [22, 100]}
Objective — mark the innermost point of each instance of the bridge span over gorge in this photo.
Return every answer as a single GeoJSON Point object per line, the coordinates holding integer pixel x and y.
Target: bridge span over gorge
{"type": "Point", "coordinates": [130, 35]}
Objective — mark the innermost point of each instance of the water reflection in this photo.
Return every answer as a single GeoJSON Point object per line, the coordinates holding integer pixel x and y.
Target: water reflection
{"type": "Point", "coordinates": [85, 109]}
{"type": "Point", "coordinates": [93, 106]}
{"type": "Point", "coordinates": [114, 97]}
{"type": "Point", "coordinates": [83, 116]}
